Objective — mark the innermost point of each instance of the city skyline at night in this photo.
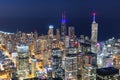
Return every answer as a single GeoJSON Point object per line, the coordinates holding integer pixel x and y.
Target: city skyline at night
{"type": "Point", "coordinates": [59, 40]}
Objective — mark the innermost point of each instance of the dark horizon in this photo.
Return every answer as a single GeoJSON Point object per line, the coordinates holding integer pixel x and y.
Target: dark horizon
{"type": "Point", "coordinates": [29, 15]}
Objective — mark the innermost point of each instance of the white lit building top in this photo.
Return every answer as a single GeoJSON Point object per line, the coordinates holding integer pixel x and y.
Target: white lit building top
{"type": "Point", "coordinates": [23, 48]}
{"type": "Point", "coordinates": [51, 26]}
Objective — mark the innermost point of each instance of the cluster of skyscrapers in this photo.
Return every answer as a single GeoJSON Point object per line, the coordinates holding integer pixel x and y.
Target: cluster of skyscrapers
{"type": "Point", "coordinates": [60, 56]}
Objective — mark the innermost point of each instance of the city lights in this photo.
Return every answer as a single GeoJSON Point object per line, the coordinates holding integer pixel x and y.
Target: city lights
{"type": "Point", "coordinates": [60, 56]}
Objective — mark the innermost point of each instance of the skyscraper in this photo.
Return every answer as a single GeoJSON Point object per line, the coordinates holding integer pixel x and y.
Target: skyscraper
{"type": "Point", "coordinates": [50, 32]}
{"type": "Point", "coordinates": [89, 66]}
{"type": "Point", "coordinates": [94, 35]}
{"type": "Point", "coordinates": [57, 34]}
{"type": "Point", "coordinates": [63, 27]}
{"type": "Point", "coordinates": [56, 55]}
{"type": "Point", "coordinates": [67, 41]}
{"type": "Point", "coordinates": [71, 64]}
{"type": "Point", "coordinates": [71, 32]}
{"type": "Point", "coordinates": [35, 35]}
{"type": "Point", "coordinates": [23, 61]}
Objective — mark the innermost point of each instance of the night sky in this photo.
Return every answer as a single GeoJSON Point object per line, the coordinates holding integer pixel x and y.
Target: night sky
{"type": "Point", "coordinates": [31, 15]}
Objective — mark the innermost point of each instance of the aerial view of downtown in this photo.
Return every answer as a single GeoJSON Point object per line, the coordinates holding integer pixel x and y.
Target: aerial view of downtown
{"type": "Point", "coordinates": [59, 40]}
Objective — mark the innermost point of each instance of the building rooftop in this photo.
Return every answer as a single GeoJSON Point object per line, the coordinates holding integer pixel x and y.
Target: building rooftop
{"type": "Point", "coordinates": [107, 71]}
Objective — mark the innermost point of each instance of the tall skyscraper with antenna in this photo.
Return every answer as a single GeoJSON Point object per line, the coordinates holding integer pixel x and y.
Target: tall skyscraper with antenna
{"type": "Point", "coordinates": [63, 27]}
{"type": "Point", "coordinates": [94, 33]}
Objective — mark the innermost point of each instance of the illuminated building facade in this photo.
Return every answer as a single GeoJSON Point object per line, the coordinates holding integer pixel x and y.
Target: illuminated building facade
{"type": "Point", "coordinates": [80, 63]}
{"type": "Point", "coordinates": [41, 72]}
{"type": "Point", "coordinates": [10, 46]}
{"type": "Point", "coordinates": [71, 64]}
{"type": "Point", "coordinates": [89, 66]}
{"type": "Point", "coordinates": [50, 32]}
{"type": "Point", "coordinates": [56, 56]}
{"type": "Point", "coordinates": [107, 61]}
{"type": "Point", "coordinates": [94, 35]}
{"type": "Point", "coordinates": [67, 39]}
{"type": "Point", "coordinates": [116, 60]}
{"type": "Point", "coordinates": [33, 67]}
{"type": "Point", "coordinates": [23, 38]}
{"type": "Point", "coordinates": [49, 69]}
{"type": "Point", "coordinates": [37, 45]}
{"type": "Point", "coordinates": [23, 67]}
{"type": "Point", "coordinates": [85, 44]}
{"type": "Point", "coordinates": [5, 62]}
{"type": "Point", "coordinates": [71, 32]}
{"type": "Point", "coordinates": [58, 35]}
{"type": "Point", "coordinates": [6, 65]}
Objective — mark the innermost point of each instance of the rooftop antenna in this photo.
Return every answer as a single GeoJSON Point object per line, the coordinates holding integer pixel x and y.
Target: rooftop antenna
{"type": "Point", "coordinates": [94, 17]}
{"type": "Point", "coordinates": [63, 18]}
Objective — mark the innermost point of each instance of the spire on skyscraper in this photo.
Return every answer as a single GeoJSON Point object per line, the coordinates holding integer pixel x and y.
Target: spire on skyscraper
{"type": "Point", "coordinates": [63, 18]}
{"type": "Point", "coordinates": [94, 17]}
